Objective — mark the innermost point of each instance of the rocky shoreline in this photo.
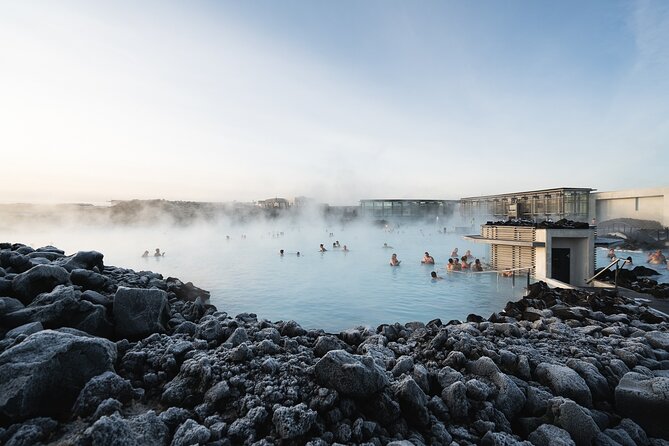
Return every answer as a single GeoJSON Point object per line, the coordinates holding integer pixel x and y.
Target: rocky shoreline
{"type": "Point", "coordinates": [98, 355]}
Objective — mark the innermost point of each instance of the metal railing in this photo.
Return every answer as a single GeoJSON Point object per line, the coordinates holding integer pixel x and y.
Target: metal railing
{"type": "Point", "coordinates": [606, 268]}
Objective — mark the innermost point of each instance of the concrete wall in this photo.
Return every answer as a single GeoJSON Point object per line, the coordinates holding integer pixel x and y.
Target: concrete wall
{"type": "Point", "coordinates": [581, 242]}
{"type": "Point", "coordinates": [642, 204]}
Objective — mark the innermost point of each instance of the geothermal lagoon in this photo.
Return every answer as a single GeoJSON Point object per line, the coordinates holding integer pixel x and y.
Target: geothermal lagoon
{"type": "Point", "coordinates": [335, 290]}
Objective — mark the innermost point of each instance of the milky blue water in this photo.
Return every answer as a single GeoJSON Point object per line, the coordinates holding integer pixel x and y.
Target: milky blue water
{"type": "Point", "coordinates": [334, 290]}
{"type": "Point", "coordinates": [638, 258]}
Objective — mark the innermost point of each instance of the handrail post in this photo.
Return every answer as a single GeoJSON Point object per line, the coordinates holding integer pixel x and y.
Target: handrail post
{"type": "Point", "coordinates": [615, 281]}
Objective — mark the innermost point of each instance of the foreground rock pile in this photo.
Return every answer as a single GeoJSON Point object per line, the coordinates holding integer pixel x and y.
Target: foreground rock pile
{"type": "Point", "coordinates": [96, 355]}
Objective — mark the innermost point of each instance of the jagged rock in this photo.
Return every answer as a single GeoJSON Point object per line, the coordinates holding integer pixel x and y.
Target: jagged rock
{"type": "Point", "coordinates": [619, 436]}
{"type": "Point", "coordinates": [39, 279]}
{"type": "Point", "coordinates": [98, 389]}
{"type": "Point", "coordinates": [595, 381]}
{"type": "Point", "coordinates": [83, 260]}
{"type": "Point", "coordinates": [510, 399]}
{"type": "Point", "coordinates": [564, 382]}
{"type": "Point", "coordinates": [502, 439]}
{"type": "Point", "coordinates": [26, 329]}
{"type": "Point", "coordinates": [477, 390]}
{"type": "Point", "coordinates": [356, 376]}
{"type": "Point", "coordinates": [31, 432]}
{"type": "Point", "coordinates": [645, 399]}
{"type": "Point", "coordinates": [5, 288]}
{"type": "Point", "coordinates": [293, 422]}
{"type": "Point", "coordinates": [140, 312]}
{"type": "Point", "coordinates": [9, 305]}
{"type": "Point", "coordinates": [186, 291]}
{"type": "Point", "coordinates": [292, 329]}
{"type": "Point", "coordinates": [149, 429]}
{"type": "Point", "coordinates": [190, 433]}
{"type": "Point", "coordinates": [107, 408]}
{"type": "Point", "coordinates": [455, 397]}
{"type": "Point", "coordinates": [217, 392]}
{"type": "Point", "coordinates": [237, 337]}
{"type": "Point", "coordinates": [62, 307]}
{"type": "Point", "coordinates": [189, 386]}
{"type": "Point", "coordinates": [574, 419]}
{"type": "Point", "coordinates": [210, 330]}
{"type": "Point", "coordinates": [15, 262]}
{"type": "Point", "coordinates": [327, 343]}
{"type": "Point", "coordinates": [403, 365]}
{"type": "Point", "coordinates": [44, 374]}
{"type": "Point", "coordinates": [636, 433]}
{"type": "Point", "coordinates": [88, 280]}
{"type": "Point", "coordinates": [550, 435]}
{"type": "Point", "coordinates": [413, 401]}
{"type": "Point", "coordinates": [658, 339]}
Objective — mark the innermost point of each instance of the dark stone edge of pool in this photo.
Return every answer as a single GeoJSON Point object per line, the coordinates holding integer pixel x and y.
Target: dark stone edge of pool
{"type": "Point", "coordinates": [98, 355]}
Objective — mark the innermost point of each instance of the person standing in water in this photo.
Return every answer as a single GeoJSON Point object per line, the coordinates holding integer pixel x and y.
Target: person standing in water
{"type": "Point", "coordinates": [158, 253]}
{"type": "Point", "coordinates": [394, 261]}
{"type": "Point", "coordinates": [146, 254]}
{"type": "Point", "coordinates": [427, 259]}
{"type": "Point", "coordinates": [454, 254]}
{"type": "Point", "coordinates": [477, 267]}
{"type": "Point", "coordinates": [322, 248]}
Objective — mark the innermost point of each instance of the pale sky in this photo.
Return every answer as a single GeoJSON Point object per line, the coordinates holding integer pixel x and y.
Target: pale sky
{"type": "Point", "coordinates": [335, 100]}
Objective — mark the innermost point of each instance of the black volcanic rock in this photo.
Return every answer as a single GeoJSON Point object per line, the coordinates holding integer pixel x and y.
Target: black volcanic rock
{"type": "Point", "coordinates": [349, 374]}
{"type": "Point", "coordinates": [83, 260]}
{"type": "Point", "coordinates": [43, 375]}
{"type": "Point", "coordinates": [39, 279]}
{"type": "Point", "coordinates": [190, 373]}
{"type": "Point", "coordinates": [140, 312]}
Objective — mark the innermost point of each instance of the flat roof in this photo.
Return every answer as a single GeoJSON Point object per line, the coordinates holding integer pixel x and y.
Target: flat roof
{"type": "Point", "coordinates": [492, 241]}
{"type": "Point", "coordinates": [405, 199]}
{"type": "Point", "coordinates": [531, 192]}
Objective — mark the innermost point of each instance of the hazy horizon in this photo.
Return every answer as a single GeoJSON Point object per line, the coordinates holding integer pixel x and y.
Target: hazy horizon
{"type": "Point", "coordinates": [338, 101]}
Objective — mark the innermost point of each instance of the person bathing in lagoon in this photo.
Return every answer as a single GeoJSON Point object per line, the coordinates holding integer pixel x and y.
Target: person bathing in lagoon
{"type": "Point", "coordinates": [457, 266]}
{"type": "Point", "coordinates": [385, 245]}
{"type": "Point", "coordinates": [394, 261]}
{"type": "Point", "coordinates": [158, 253]}
{"type": "Point", "coordinates": [146, 254]}
{"type": "Point", "coordinates": [450, 265]}
{"type": "Point", "coordinates": [427, 259]}
{"type": "Point", "coordinates": [435, 277]}
{"type": "Point", "coordinates": [611, 254]}
{"type": "Point", "coordinates": [454, 254]}
{"type": "Point", "coordinates": [657, 258]}
{"type": "Point", "coordinates": [345, 248]}
{"type": "Point", "coordinates": [322, 248]}
{"type": "Point", "coordinates": [298, 253]}
{"type": "Point", "coordinates": [336, 244]}
{"type": "Point", "coordinates": [281, 252]}
{"type": "Point", "coordinates": [465, 264]}
{"type": "Point", "coordinates": [477, 267]}
{"type": "Point", "coordinates": [468, 254]}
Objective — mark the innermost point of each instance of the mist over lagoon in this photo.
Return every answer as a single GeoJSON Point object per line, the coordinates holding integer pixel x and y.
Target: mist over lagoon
{"type": "Point", "coordinates": [239, 263]}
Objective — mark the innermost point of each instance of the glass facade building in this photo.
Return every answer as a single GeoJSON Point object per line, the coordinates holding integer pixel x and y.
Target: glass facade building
{"type": "Point", "coordinates": [406, 208]}
{"type": "Point", "coordinates": [555, 204]}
